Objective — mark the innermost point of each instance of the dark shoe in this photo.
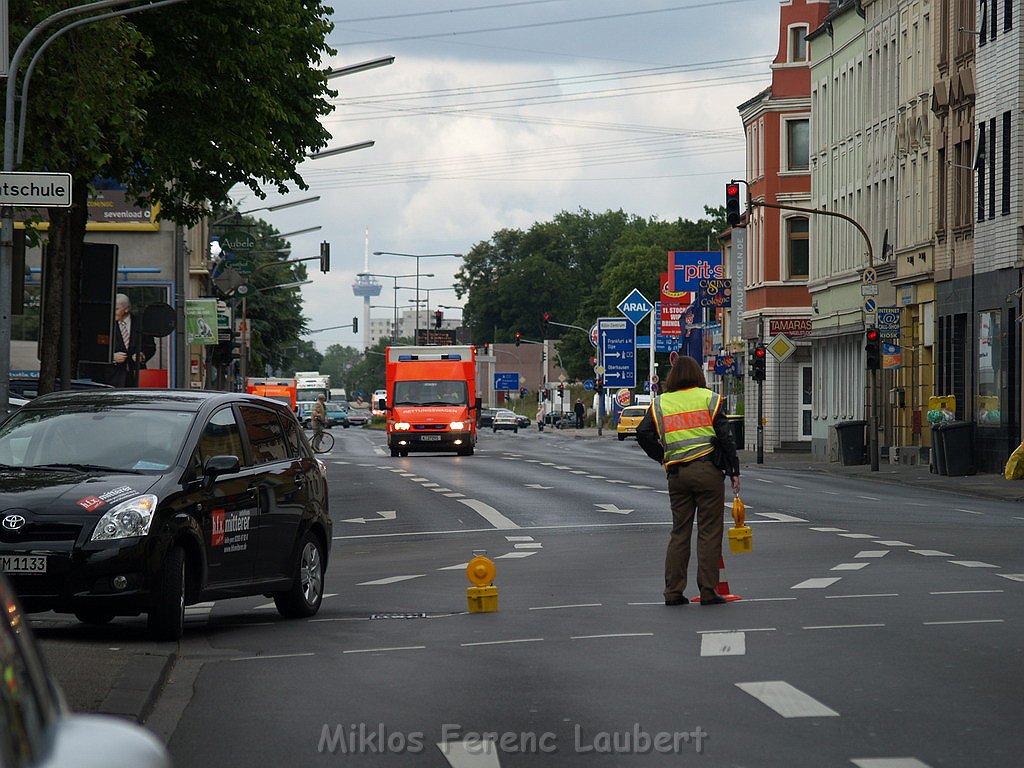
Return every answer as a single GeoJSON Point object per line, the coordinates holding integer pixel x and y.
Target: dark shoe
{"type": "Point", "coordinates": [676, 601]}
{"type": "Point", "coordinates": [715, 599]}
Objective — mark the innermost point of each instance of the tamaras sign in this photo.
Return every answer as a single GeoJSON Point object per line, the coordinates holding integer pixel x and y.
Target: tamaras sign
{"type": "Point", "coordinates": [793, 327]}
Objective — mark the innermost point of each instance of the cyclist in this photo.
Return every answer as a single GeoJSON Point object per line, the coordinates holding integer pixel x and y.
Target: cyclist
{"type": "Point", "coordinates": [319, 418]}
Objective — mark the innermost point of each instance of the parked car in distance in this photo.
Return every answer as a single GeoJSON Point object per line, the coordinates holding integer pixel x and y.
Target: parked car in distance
{"type": "Point", "coordinates": [358, 413]}
{"type": "Point", "coordinates": [486, 417]}
{"type": "Point", "coordinates": [630, 419]}
{"type": "Point", "coordinates": [505, 419]}
{"type": "Point", "coordinates": [123, 502]}
{"type": "Point", "coordinates": [523, 421]}
{"type": "Point", "coordinates": [39, 729]}
{"type": "Point", "coordinates": [337, 414]}
{"type": "Point", "coordinates": [566, 420]}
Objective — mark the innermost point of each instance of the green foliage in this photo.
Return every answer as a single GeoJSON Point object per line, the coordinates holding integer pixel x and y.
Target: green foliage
{"type": "Point", "coordinates": [367, 374]}
{"type": "Point", "coordinates": [338, 362]}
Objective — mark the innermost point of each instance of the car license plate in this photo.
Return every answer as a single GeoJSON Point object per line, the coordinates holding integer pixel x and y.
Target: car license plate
{"type": "Point", "coordinates": [436, 438]}
{"type": "Point", "coordinates": [23, 563]}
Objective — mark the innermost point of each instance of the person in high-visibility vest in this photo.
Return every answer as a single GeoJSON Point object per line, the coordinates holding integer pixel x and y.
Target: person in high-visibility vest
{"type": "Point", "coordinates": [686, 430]}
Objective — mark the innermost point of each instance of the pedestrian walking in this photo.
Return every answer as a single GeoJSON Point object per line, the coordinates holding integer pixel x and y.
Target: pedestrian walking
{"type": "Point", "coordinates": [686, 430]}
{"type": "Point", "coordinates": [581, 411]}
{"type": "Point", "coordinates": [540, 417]}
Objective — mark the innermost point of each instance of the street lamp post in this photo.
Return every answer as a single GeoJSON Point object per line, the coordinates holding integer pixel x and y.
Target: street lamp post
{"type": "Point", "coordinates": [395, 278]}
{"type": "Point", "coordinates": [417, 256]}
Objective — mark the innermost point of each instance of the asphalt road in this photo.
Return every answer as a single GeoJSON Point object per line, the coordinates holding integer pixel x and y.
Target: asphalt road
{"type": "Point", "coordinates": [879, 625]}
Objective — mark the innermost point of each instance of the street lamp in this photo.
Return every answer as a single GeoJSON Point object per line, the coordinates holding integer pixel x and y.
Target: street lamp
{"type": "Point", "coordinates": [417, 256]}
{"type": "Point", "coordinates": [426, 302]}
{"type": "Point", "coordinates": [277, 207]}
{"type": "Point", "coordinates": [395, 278]}
{"type": "Point", "coordinates": [362, 66]}
{"type": "Point", "coordinates": [341, 150]}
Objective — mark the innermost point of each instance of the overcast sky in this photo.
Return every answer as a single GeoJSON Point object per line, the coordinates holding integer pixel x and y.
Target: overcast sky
{"type": "Point", "coordinates": [503, 113]}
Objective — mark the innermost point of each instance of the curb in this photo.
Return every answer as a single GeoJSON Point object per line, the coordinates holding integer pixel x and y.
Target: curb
{"type": "Point", "coordinates": [135, 692]}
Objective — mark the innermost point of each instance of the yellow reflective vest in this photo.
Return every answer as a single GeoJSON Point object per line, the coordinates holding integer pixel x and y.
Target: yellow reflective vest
{"type": "Point", "coordinates": [685, 421]}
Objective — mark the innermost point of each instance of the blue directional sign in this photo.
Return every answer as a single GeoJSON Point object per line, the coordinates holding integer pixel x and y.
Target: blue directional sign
{"type": "Point", "coordinates": [635, 306]}
{"type": "Point", "coordinates": [506, 382]}
{"type": "Point", "coordinates": [617, 348]}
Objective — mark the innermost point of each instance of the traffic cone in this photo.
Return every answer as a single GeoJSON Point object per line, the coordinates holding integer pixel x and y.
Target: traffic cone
{"type": "Point", "coordinates": [723, 585]}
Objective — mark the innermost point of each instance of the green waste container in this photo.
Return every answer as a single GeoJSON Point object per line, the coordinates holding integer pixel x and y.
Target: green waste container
{"type": "Point", "coordinates": [851, 442]}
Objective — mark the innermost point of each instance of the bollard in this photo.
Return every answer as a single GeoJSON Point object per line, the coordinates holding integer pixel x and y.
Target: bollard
{"type": "Point", "coordinates": [482, 597]}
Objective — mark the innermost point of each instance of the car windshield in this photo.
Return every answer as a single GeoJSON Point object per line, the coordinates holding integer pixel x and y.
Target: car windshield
{"type": "Point", "coordinates": [120, 439]}
{"type": "Point", "coordinates": [431, 393]}
{"type": "Point", "coordinates": [336, 408]}
{"type": "Point", "coordinates": [634, 413]}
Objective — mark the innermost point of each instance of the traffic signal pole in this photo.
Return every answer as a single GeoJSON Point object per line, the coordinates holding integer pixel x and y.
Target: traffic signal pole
{"type": "Point", "coordinates": [760, 422]}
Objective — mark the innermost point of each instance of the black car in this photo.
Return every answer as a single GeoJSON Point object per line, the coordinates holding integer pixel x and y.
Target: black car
{"type": "Point", "coordinates": [123, 502]}
{"type": "Point", "coordinates": [486, 417]}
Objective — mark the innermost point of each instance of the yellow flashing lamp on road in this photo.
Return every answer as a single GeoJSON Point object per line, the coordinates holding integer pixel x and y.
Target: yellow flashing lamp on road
{"type": "Point", "coordinates": [483, 596]}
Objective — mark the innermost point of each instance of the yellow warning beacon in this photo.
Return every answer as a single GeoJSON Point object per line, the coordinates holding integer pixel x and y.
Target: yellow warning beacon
{"type": "Point", "coordinates": [483, 595]}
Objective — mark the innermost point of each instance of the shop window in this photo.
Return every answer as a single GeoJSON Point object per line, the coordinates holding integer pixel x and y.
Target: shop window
{"type": "Point", "coordinates": [990, 368]}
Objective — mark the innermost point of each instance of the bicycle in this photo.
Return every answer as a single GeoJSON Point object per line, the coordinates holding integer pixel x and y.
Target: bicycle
{"type": "Point", "coordinates": [322, 442]}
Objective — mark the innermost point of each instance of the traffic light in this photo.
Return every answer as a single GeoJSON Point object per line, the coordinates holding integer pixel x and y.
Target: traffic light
{"type": "Point", "coordinates": [544, 324]}
{"type": "Point", "coordinates": [355, 325]}
{"type": "Point", "coordinates": [438, 317]}
{"type": "Point", "coordinates": [561, 390]}
{"type": "Point", "coordinates": [757, 363]}
{"type": "Point", "coordinates": [325, 257]}
{"type": "Point", "coordinates": [599, 386]}
{"type": "Point", "coordinates": [543, 394]}
{"type": "Point", "coordinates": [873, 347]}
{"type": "Point", "coordinates": [732, 203]}
{"type": "Point", "coordinates": [519, 338]}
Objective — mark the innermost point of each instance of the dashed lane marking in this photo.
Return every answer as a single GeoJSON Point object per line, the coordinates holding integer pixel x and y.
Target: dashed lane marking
{"type": "Point", "coordinates": [869, 498]}
{"type": "Point", "coordinates": [970, 592]}
{"type": "Point", "coordinates": [966, 621]}
{"type": "Point", "coordinates": [612, 635]}
{"type": "Point", "coordinates": [931, 553]}
{"type": "Point", "coordinates": [272, 656]}
{"type": "Point", "coordinates": [828, 530]}
{"type": "Point", "coordinates": [794, 487]}
{"type": "Point", "coordinates": [723, 644]}
{"type": "Point", "coordinates": [873, 553]}
{"type": "Point", "coordinates": [519, 538]}
{"type": "Point", "coordinates": [516, 555]}
{"type": "Point", "coordinates": [786, 700]}
{"type": "Point", "coordinates": [893, 543]}
{"type": "Point", "coordinates": [385, 650]}
{"type": "Point", "coordinates": [455, 495]}
{"type": "Point", "coordinates": [888, 762]}
{"type": "Point", "coordinates": [972, 564]}
{"type": "Point", "coordinates": [538, 486]}
{"type": "Point", "coordinates": [390, 580]}
{"type": "Point", "coordinates": [529, 545]}
{"type": "Point", "coordinates": [441, 490]}
{"type": "Point", "coordinates": [858, 536]}
{"type": "Point", "coordinates": [968, 511]}
{"type": "Point", "coordinates": [780, 517]}
{"type": "Point", "coordinates": [1012, 576]}
{"type": "Point", "coordinates": [848, 597]}
{"type": "Point", "coordinates": [849, 566]}
{"type": "Point", "coordinates": [844, 626]}
{"type": "Point", "coordinates": [817, 583]}
{"type": "Point", "coordinates": [559, 607]}
{"type": "Point", "coordinates": [504, 642]}
{"type": "Point", "coordinates": [766, 599]}
{"type": "Point", "coordinates": [762, 480]}
{"type": "Point", "coordinates": [459, 567]}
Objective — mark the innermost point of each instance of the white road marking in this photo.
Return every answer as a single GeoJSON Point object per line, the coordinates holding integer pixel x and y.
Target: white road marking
{"type": "Point", "coordinates": [828, 530]}
{"type": "Point", "coordinates": [858, 536]}
{"type": "Point", "coordinates": [620, 482]}
{"type": "Point", "coordinates": [972, 564]}
{"type": "Point", "coordinates": [931, 553]}
{"type": "Point", "coordinates": [1012, 576]}
{"type": "Point", "coordinates": [873, 553]}
{"type": "Point", "coordinates": [846, 597]}
{"type": "Point", "coordinates": [970, 592]}
{"type": "Point", "coordinates": [765, 599]}
{"type": "Point", "coordinates": [642, 487]}
{"type": "Point", "coordinates": [547, 463]}
{"type": "Point", "coordinates": [504, 642]}
{"type": "Point", "coordinates": [519, 538]}
{"type": "Point", "coordinates": [893, 543]}
{"type": "Point", "coordinates": [968, 511]}
{"type": "Point", "coordinates": [488, 513]}
{"type": "Point", "coordinates": [968, 621]}
{"type": "Point", "coordinates": [888, 762]}
{"type": "Point", "coordinates": [779, 517]}
{"type": "Point", "coordinates": [917, 504]}
{"type": "Point", "coordinates": [539, 487]}
{"type": "Point", "coordinates": [515, 555]}
{"type": "Point", "coordinates": [343, 463]}
{"type": "Point", "coordinates": [268, 606]}
{"type": "Point", "coordinates": [482, 753]}
{"type": "Point", "coordinates": [869, 498]}
{"type": "Point", "coordinates": [787, 700]}
{"type": "Point", "coordinates": [617, 634]}
{"type": "Point", "coordinates": [744, 629]}
{"type": "Point", "coordinates": [390, 580]}
{"type": "Point", "coordinates": [665, 492]}
{"type": "Point", "coordinates": [529, 545]}
{"type": "Point", "coordinates": [794, 487]}
{"type": "Point", "coordinates": [723, 644]}
{"type": "Point", "coordinates": [816, 583]}
{"type": "Point", "coordinates": [439, 489]}
{"type": "Point", "coordinates": [559, 466]}
{"type": "Point", "coordinates": [459, 567]}
{"type": "Point", "coordinates": [850, 566]}
{"type": "Point", "coordinates": [420, 479]}
{"type": "Point", "coordinates": [274, 656]}
{"type": "Point", "coordinates": [455, 495]}
{"type": "Point", "coordinates": [381, 650]}
{"type": "Point", "coordinates": [558, 607]}
{"type": "Point", "coordinates": [613, 509]}
{"type": "Point", "coordinates": [433, 485]}
{"type": "Point", "coordinates": [597, 477]}
{"type": "Point", "coordinates": [762, 480]}
{"type": "Point", "coordinates": [844, 626]}
{"type": "Point", "coordinates": [384, 515]}
{"type": "Point", "coordinates": [578, 472]}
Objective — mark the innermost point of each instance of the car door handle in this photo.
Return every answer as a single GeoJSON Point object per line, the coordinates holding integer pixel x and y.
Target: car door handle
{"type": "Point", "coordinates": [299, 479]}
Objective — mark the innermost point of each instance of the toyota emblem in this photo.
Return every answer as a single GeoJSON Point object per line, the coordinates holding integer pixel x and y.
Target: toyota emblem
{"type": "Point", "coordinates": [13, 522]}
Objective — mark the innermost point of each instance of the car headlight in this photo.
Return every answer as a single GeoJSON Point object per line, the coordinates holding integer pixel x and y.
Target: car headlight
{"type": "Point", "coordinates": [128, 519]}
{"type": "Point", "coordinates": [402, 426]}
{"type": "Point", "coordinates": [457, 426]}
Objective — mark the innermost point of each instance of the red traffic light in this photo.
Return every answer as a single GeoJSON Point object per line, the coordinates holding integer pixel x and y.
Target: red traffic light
{"type": "Point", "coordinates": [760, 352]}
{"type": "Point", "coordinates": [732, 189]}
{"type": "Point", "coordinates": [871, 334]}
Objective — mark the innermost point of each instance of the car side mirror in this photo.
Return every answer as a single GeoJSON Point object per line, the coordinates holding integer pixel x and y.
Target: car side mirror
{"type": "Point", "coordinates": [477, 404]}
{"type": "Point", "coordinates": [219, 465]}
{"type": "Point", "coordinates": [382, 404]}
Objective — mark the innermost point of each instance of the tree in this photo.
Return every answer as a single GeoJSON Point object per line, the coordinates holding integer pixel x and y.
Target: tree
{"type": "Point", "coordinates": [339, 362]}
{"type": "Point", "coordinates": [181, 104]}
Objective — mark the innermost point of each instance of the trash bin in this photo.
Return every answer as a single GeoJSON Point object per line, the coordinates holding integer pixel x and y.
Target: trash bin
{"type": "Point", "coordinates": [957, 448]}
{"type": "Point", "coordinates": [736, 422]}
{"type": "Point", "coordinates": [851, 442]}
{"type": "Point", "coordinates": [937, 462]}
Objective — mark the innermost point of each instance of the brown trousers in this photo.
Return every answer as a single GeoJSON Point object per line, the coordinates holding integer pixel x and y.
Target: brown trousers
{"type": "Point", "coordinates": [696, 487]}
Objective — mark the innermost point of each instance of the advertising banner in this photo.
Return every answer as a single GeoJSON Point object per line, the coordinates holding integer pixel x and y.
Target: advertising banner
{"type": "Point", "coordinates": [687, 268]}
{"type": "Point", "coordinates": [201, 321]}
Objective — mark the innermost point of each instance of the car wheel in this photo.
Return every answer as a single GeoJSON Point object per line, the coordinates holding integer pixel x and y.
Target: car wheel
{"type": "Point", "coordinates": [166, 620]}
{"type": "Point", "coordinates": [91, 616]}
{"type": "Point", "coordinates": [303, 598]}
{"type": "Point", "coordinates": [394, 453]}
{"type": "Point", "coordinates": [345, 425]}
{"type": "Point", "coordinates": [467, 451]}
{"type": "Point", "coordinates": [403, 454]}
{"type": "Point", "coordinates": [622, 437]}
{"type": "Point", "coordinates": [495, 429]}
{"type": "Point", "coordinates": [515, 431]}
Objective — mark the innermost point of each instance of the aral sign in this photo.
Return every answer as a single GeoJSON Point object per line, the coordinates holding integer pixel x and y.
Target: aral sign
{"type": "Point", "coordinates": [35, 190]}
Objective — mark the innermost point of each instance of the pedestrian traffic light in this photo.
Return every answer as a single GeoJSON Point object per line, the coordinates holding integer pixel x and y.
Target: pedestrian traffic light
{"type": "Point", "coordinates": [325, 257]}
{"type": "Point", "coordinates": [757, 363]}
{"type": "Point", "coordinates": [873, 347]}
{"type": "Point", "coordinates": [519, 338]}
{"type": "Point", "coordinates": [355, 325]}
{"type": "Point", "coordinates": [561, 390]}
{"type": "Point", "coordinates": [543, 394]}
{"type": "Point", "coordinates": [544, 324]}
{"type": "Point", "coordinates": [732, 203]}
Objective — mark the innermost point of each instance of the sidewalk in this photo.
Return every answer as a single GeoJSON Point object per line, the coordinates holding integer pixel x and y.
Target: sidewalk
{"type": "Point", "coordinates": [991, 486]}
